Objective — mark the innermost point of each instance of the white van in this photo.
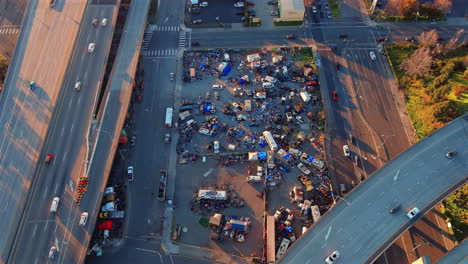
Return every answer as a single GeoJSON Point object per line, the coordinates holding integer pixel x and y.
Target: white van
{"type": "Point", "coordinates": [54, 205]}
{"type": "Point", "coordinates": [305, 96]}
{"type": "Point", "coordinates": [267, 85]}
{"type": "Point", "coordinates": [83, 219]}
{"type": "Point", "coordinates": [226, 57]}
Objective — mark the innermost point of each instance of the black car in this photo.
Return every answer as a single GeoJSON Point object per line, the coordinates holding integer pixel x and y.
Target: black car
{"type": "Point", "coordinates": [395, 209]}
{"type": "Point", "coordinates": [195, 43]}
{"type": "Point", "coordinates": [342, 36]}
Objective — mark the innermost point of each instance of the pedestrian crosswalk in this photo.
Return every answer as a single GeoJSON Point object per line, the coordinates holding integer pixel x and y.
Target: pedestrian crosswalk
{"type": "Point", "coordinates": [167, 28]}
{"type": "Point", "coordinates": [182, 39]}
{"type": "Point", "coordinates": [8, 30]}
{"type": "Point", "coordinates": [146, 40]}
{"type": "Point", "coordinates": [160, 53]}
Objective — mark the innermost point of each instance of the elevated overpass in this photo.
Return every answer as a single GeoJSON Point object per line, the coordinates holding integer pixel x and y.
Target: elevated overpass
{"type": "Point", "coordinates": [361, 227]}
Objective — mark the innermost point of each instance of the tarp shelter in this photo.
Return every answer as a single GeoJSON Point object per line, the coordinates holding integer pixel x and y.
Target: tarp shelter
{"type": "Point", "coordinates": [253, 156]}
{"type": "Point", "coordinates": [212, 195]}
{"type": "Point", "coordinates": [215, 219]}
{"type": "Point", "coordinates": [184, 115]}
{"type": "Point", "coordinates": [307, 71]}
{"type": "Point", "coordinates": [107, 225]}
{"type": "Point", "coordinates": [227, 70]}
{"type": "Point", "coordinates": [284, 155]}
{"type": "Point", "coordinates": [262, 155]}
{"type": "Point", "coordinates": [238, 225]}
{"type": "Point", "coordinates": [253, 57]}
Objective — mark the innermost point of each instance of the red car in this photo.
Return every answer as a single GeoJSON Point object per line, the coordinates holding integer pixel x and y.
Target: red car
{"type": "Point", "coordinates": [250, 4]}
{"type": "Point", "coordinates": [49, 158]}
{"type": "Point", "coordinates": [312, 83]}
{"type": "Point", "coordinates": [199, 21]}
{"type": "Point", "coordinates": [440, 39]}
{"type": "Point", "coordinates": [382, 39]}
{"type": "Point", "coordinates": [334, 96]}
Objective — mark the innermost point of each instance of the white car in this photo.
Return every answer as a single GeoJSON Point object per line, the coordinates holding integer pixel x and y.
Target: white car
{"type": "Point", "coordinates": [216, 146]}
{"type": "Point", "coordinates": [77, 86]}
{"type": "Point", "coordinates": [314, 10]}
{"type": "Point", "coordinates": [217, 87]}
{"type": "Point", "coordinates": [333, 256]}
{"type": "Point", "coordinates": [104, 22]}
{"type": "Point", "coordinates": [52, 252]}
{"type": "Point", "coordinates": [172, 76]}
{"type": "Point", "coordinates": [130, 173]}
{"type": "Point", "coordinates": [372, 55]}
{"type": "Point", "coordinates": [83, 219]}
{"type": "Point", "coordinates": [346, 150]}
{"type": "Point", "coordinates": [239, 4]}
{"type": "Point", "coordinates": [412, 213]}
{"type": "Point", "coordinates": [259, 171]}
{"type": "Point", "coordinates": [54, 205]}
{"type": "Point", "coordinates": [91, 47]}
{"type": "Point", "coordinates": [303, 168]}
{"type": "Point", "coordinates": [204, 4]}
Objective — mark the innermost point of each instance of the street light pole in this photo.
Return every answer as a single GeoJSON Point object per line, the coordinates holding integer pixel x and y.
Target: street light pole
{"type": "Point", "coordinates": [343, 200]}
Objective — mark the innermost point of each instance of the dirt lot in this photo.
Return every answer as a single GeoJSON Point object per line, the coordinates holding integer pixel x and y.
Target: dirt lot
{"type": "Point", "coordinates": [216, 125]}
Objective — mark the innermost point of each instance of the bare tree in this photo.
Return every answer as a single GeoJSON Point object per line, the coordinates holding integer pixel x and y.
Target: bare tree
{"type": "Point", "coordinates": [408, 8]}
{"type": "Point", "coordinates": [443, 5]}
{"type": "Point", "coordinates": [419, 63]}
{"type": "Point", "coordinates": [450, 45]}
{"type": "Point", "coordinates": [428, 38]}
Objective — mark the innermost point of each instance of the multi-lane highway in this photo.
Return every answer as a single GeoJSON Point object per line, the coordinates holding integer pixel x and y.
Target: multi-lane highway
{"type": "Point", "coordinates": [420, 177]}
{"type": "Point", "coordinates": [42, 54]}
{"type": "Point", "coordinates": [67, 142]}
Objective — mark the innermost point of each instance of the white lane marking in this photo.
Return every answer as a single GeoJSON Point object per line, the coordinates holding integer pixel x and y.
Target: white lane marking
{"type": "Point", "coordinates": [79, 100]}
{"type": "Point", "coordinates": [63, 130]}
{"type": "Point", "coordinates": [34, 232]}
{"type": "Point", "coordinates": [65, 156]}
{"type": "Point", "coordinates": [56, 187]}
{"type": "Point", "coordinates": [152, 251]}
{"type": "Point", "coordinates": [328, 233]}
{"type": "Point", "coordinates": [71, 129]}
{"type": "Point", "coordinates": [71, 185]}
{"type": "Point", "coordinates": [35, 262]}
{"type": "Point", "coordinates": [208, 172]}
{"type": "Point", "coordinates": [45, 192]}
{"type": "Point", "coordinates": [396, 176]}
{"type": "Point", "coordinates": [56, 225]}
{"type": "Point", "coordinates": [46, 224]}
{"type": "Point", "coordinates": [85, 75]}
{"type": "Point", "coordinates": [165, 20]}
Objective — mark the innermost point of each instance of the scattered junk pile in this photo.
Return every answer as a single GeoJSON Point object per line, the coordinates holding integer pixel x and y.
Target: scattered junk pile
{"type": "Point", "coordinates": [232, 229]}
{"type": "Point", "coordinates": [213, 198]}
{"type": "Point", "coordinates": [110, 219]}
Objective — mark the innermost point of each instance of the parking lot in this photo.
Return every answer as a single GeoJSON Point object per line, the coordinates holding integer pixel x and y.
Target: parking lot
{"type": "Point", "coordinates": [232, 106]}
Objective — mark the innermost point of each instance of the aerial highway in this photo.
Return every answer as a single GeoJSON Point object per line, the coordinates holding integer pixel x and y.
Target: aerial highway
{"type": "Point", "coordinates": [41, 229]}
{"type": "Point", "coordinates": [419, 177]}
{"type": "Point", "coordinates": [41, 56]}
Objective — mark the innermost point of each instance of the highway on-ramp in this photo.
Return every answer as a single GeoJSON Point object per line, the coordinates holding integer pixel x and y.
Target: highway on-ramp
{"type": "Point", "coordinates": [361, 227]}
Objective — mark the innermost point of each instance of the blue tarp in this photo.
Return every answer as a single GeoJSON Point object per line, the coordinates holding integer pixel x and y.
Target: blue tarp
{"type": "Point", "coordinates": [287, 156]}
{"type": "Point", "coordinates": [262, 143]}
{"type": "Point", "coordinates": [262, 155]}
{"type": "Point", "coordinates": [202, 65]}
{"type": "Point", "coordinates": [207, 108]}
{"type": "Point", "coordinates": [227, 70]}
{"type": "Point", "coordinates": [241, 81]}
{"type": "Point", "coordinates": [310, 158]}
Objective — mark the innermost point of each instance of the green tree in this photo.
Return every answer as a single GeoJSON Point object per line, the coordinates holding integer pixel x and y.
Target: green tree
{"type": "Point", "coordinates": [457, 212]}
{"type": "Point", "coordinates": [409, 8]}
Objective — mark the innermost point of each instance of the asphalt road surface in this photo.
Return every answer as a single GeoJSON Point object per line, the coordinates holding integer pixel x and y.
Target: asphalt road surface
{"type": "Point", "coordinates": [42, 54]}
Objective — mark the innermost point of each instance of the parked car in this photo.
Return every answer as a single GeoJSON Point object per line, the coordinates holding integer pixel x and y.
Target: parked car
{"type": "Point", "coordinates": [372, 55]}
{"type": "Point", "coordinates": [83, 219]}
{"type": "Point", "coordinates": [314, 10]}
{"type": "Point", "coordinates": [412, 213]}
{"type": "Point", "coordinates": [77, 86]}
{"type": "Point", "coordinates": [91, 47]}
{"type": "Point", "coordinates": [329, 15]}
{"type": "Point", "coordinates": [303, 168]}
{"type": "Point", "coordinates": [291, 36]}
{"type": "Point", "coordinates": [95, 22]}
{"type": "Point", "coordinates": [171, 76]}
{"type": "Point", "coordinates": [198, 21]}
{"type": "Point", "coordinates": [204, 4]}
{"type": "Point", "coordinates": [333, 256]}
{"type": "Point", "coordinates": [346, 151]}
{"type": "Point", "coordinates": [104, 22]}
{"type": "Point", "coordinates": [216, 146]}
{"type": "Point", "coordinates": [272, 2]}
{"type": "Point", "coordinates": [250, 4]}
{"type": "Point", "coordinates": [395, 209]}
{"type": "Point", "coordinates": [342, 36]}
{"type": "Point", "coordinates": [239, 4]}
{"type": "Point", "coordinates": [335, 96]}
{"type": "Point", "coordinates": [195, 43]}
{"type": "Point", "coordinates": [440, 39]}
{"type": "Point", "coordinates": [410, 39]}
{"type": "Point", "coordinates": [130, 173]}
{"type": "Point", "coordinates": [167, 138]}
{"type": "Point", "coordinates": [52, 252]}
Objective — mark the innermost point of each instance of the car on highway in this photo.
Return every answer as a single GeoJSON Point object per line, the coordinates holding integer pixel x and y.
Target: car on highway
{"type": "Point", "coordinates": [77, 86]}
{"type": "Point", "coordinates": [303, 168]}
{"type": "Point", "coordinates": [412, 213]}
{"type": "Point", "coordinates": [104, 22]}
{"type": "Point", "coordinates": [52, 252]}
{"type": "Point", "coordinates": [91, 47]}
{"type": "Point", "coordinates": [332, 257]}
{"type": "Point", "coordinates": [372, 55]}
{"type": "Point", "coordinates": [346, 150]}
{"type": "Point", "coordinates": [217, 87]}
{"type": "Point", "coordinates": [335, 96]}
{"type": "Point", "coordinates": [49, 158]}
{"type": "Point", "coordinates": [239, 4]}
{"type": "Point", "coordinates": [198, 21]}
{"type": "Point", "coordinates": [83, 219]}
{"type": "Point", "coordinates": [95, 22]}
{"type": "Point", "coordinates": [395, 209]}
{"type": "Point", "coordinates": [130, 173]}
{"type": "Point", "coordinates": [381, 39]}
{"type": "Point", "coordinates": [54, 205]}
{"type": "Point", "coordinates": [291, 36]}
{"type": "Point", "coordinates": [167, 138]}
{"type": "Point", "coordinates": [314, 10]}
{"type": "Point", "coordinates": [171, 76]}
